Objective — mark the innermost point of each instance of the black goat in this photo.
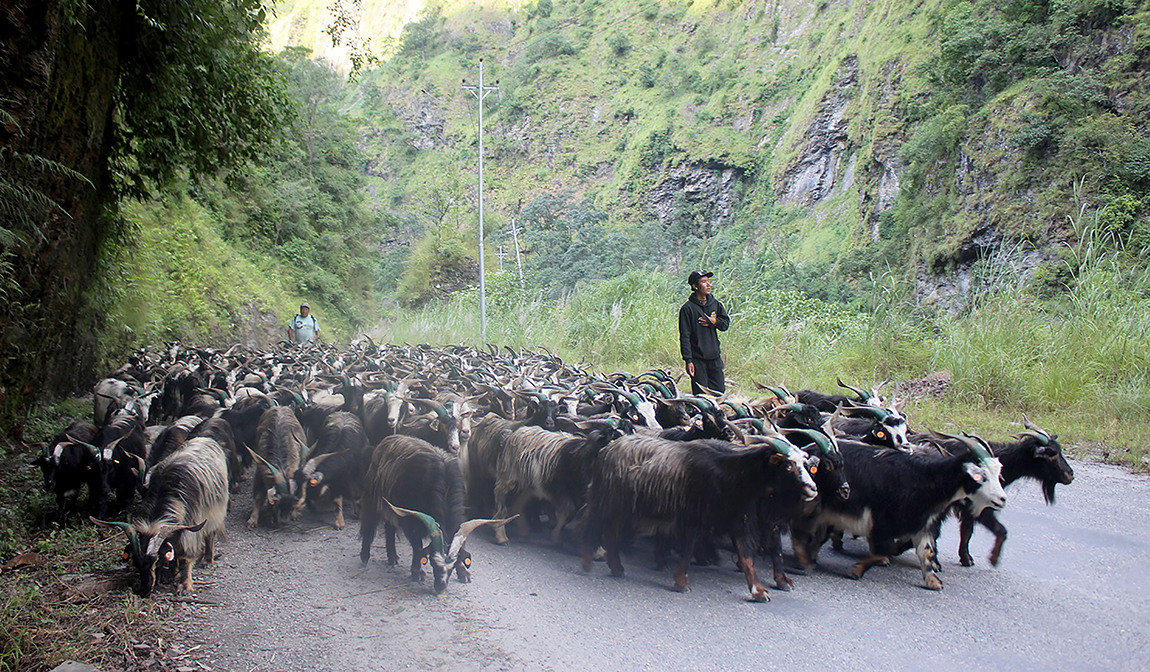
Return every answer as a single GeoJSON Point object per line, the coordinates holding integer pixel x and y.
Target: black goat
{"type": "Point", "coordinates": [122, 456]}
{"type": "Point", "coordinates": [553, 467]}
{"type": "Point", "coordinates": [774, 513]}
{"type": "Point", "coordinates": [70, 462]}
{"type": "Point", "coordinates": [897, 500]}
{"type": "Point", "coordinates": [643, 485]}
{"type": "Point", "coordinates": [336, 468]}
{"type": "Point", "coordinates": [412, 474]}
{"type": "Point", "coordinates": [1034, 454]}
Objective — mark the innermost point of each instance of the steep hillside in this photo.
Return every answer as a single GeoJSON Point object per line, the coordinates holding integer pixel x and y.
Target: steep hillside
{"type": "Point", "coordinates": [935, 138]}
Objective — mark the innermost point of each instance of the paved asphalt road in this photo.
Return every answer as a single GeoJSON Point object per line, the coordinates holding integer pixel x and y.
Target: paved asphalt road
{"type": "Point", "coordinates": [1072, 592]}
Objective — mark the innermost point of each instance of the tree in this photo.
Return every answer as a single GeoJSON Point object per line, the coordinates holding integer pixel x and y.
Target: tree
{"type": "Point", "coordinates": [126, 95]}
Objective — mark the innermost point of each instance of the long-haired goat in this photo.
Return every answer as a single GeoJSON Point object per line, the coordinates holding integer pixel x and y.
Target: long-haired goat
{"type": "Point", "coordinates": [481, 458]}
{"type": "Point", "coordinates": [553, 467]}
{"type": "Point", "coordinates": [182, 516]}
{"type": "Point", "coordinates": [282, 450]}
{"type": "Point", "coordinates": [643, 485]}
{"type": "Point", "coordinates": [417, 487]}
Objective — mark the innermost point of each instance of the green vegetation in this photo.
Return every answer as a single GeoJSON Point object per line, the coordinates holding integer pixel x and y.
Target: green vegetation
{"type": "Point", "coordinates": [1078, 367]}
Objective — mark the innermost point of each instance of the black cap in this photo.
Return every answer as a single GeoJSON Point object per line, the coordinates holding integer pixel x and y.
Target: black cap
{"type": "Point", "coordinates": [695, 276]}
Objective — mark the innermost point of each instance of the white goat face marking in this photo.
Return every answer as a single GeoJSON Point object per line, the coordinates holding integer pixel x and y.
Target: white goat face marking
{"type": "Point", "coordinates": [799, 459]}
{"type": "Point", "coordinates": [647, 410]}
{"type": "Point", "coordinates": [106, 454]}
{"type": "Point", "coordinates": [990, 494]}
{"type": "Point", "coordinates": [58, 453]}
{"type": "Point", "coordinates": [898, 430]}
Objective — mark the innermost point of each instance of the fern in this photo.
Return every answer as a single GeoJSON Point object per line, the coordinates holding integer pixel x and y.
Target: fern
{"type": "Point", "coordinates": [22, 204]}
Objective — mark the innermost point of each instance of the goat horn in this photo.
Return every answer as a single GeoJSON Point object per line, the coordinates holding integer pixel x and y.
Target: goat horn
{"type": "Point", "coordinates": [470, 526]}
{"type": "Point", "coordinates": [862, 395]}
{"type": "Point", "coordinates": [276, 473]}
{"type": "Point", "coordinates": [1043, 439]}
{"type": "Point", "coordinates": [978, 446]}
{"type": "Point", "coordinates": [111, 523]}
{"type": "Point", "coordinates": [866, 409]}
{"type": "Point", "coordinates": [433, 529]}
{"type": "Point", "coordinates": [1041, 434]}
{"type": "Point", "coordinates": [815, 435]}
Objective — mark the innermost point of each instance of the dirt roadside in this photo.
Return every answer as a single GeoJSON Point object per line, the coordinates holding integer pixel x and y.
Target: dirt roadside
{"type": "Point", "coordinates": [298, 598]}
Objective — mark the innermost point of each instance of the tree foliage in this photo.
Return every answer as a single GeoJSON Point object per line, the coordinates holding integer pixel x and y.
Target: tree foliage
{"type": "Point", "coordinates": [195, 91]}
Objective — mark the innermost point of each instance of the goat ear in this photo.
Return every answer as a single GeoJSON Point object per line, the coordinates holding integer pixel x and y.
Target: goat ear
{"type": "Point", "coordinates": [776, 458]}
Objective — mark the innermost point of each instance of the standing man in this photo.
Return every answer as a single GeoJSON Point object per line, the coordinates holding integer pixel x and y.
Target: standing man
{"type": "Point", "coordinates": [303, 328]}
{"type": "Point", "coordinates": [701, 319]}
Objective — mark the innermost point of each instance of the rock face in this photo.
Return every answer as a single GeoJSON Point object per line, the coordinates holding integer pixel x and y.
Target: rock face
{"type": "Point", "coordinates": [811, 177]}
{"type": "Point", "coordinates": [58, 77]}
{"type": "Point", "coordinates": [706, 188]}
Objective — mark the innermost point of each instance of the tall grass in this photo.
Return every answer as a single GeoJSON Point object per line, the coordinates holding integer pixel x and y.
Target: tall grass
{"type": "Point", "coordinates": [1078, 364]}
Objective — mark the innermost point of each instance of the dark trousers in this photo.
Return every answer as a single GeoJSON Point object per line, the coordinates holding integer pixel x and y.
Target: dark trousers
{"type": "Point", "coordinates": [709, 374]}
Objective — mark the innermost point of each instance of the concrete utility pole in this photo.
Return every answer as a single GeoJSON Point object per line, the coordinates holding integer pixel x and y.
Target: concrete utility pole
{"type": "Point", "coordinates": [515, 231]}
{"type": "Point", "coordinates": [480, 92]}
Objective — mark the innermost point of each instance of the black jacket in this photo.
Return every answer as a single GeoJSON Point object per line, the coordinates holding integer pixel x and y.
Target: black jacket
{"type": "Point", "coordinates": [695, 340]}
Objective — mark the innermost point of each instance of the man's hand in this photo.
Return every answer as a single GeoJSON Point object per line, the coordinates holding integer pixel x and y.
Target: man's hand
{"type": "Point", "coordinates": [691, 366]}
{"type": "Point", "coordinates": [708, 320]}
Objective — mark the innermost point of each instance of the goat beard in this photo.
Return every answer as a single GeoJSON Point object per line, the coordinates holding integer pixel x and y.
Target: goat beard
{"type": "Point", "coordinates": [1048, 492]}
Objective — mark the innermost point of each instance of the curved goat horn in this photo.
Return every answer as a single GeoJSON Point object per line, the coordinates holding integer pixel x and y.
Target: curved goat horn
{"type": "Point", "coordinates": [470, 526]}
{"type": "Point", "coordinates": [433, 529]}
{"type": "Point", "coordinates": [111, 523]}
{"type": "Point", "coordinates": [862, 395]}
{"type": "Point", "coordinates": [1034, 430]}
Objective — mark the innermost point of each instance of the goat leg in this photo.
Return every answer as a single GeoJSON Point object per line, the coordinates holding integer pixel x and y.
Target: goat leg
{"type": "Point", "coordinates": [339, 521]}
{"type": "Point", "coordinates": [502, 489]}
{"type": "Point", "coordinates": [254, 519]}
{"type": "Point", "coordinates": [185, 576]}
{"type": "Point", "coordinates": [774, 550]}
{"type": "Point", "coordinates": [924, 547]}
{"type": "Point", "coordinates": [747, 564]}
{"type": "Point", "coordinates": [389, 534]}
{"type": "Point", "coordinates": [367, 525]}
{"type": "Point", "coordinates": [965, 531]}
{"type": "Point", "coordinates": [861, 566]}
{"type": "Point", "coordinates": [611, 544]}
{"type": "Point", "coordinates": [562, 515]}
{"type": "Point", "coordinates": [990, 521]}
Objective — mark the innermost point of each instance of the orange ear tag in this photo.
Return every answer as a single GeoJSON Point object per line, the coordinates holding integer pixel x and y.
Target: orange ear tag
{"type": "Point", "coordinates": [423, 560]}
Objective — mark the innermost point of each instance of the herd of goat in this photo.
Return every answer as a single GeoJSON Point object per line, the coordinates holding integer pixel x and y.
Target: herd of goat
{"type": "Point", "coordinates": [415, 436]}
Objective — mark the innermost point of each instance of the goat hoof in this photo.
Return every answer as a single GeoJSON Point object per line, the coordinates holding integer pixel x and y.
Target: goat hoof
{"type": "Point", "coordinates": [617, 573]}
{"type": "Point", "coordinates": [760, 595]}
{"type": "Point", "coordinates": [966, 561]}
{"type": "Point", "coordinates": [933, 583]}
{"type": "Point", "coordinates": [993, 560]}
{"type": "Point", "coordinates": [857, 572]}
{"type": "Point", "coordinates": [784, 583]}
{"type": "Point", "coordinates": [681, 587]}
